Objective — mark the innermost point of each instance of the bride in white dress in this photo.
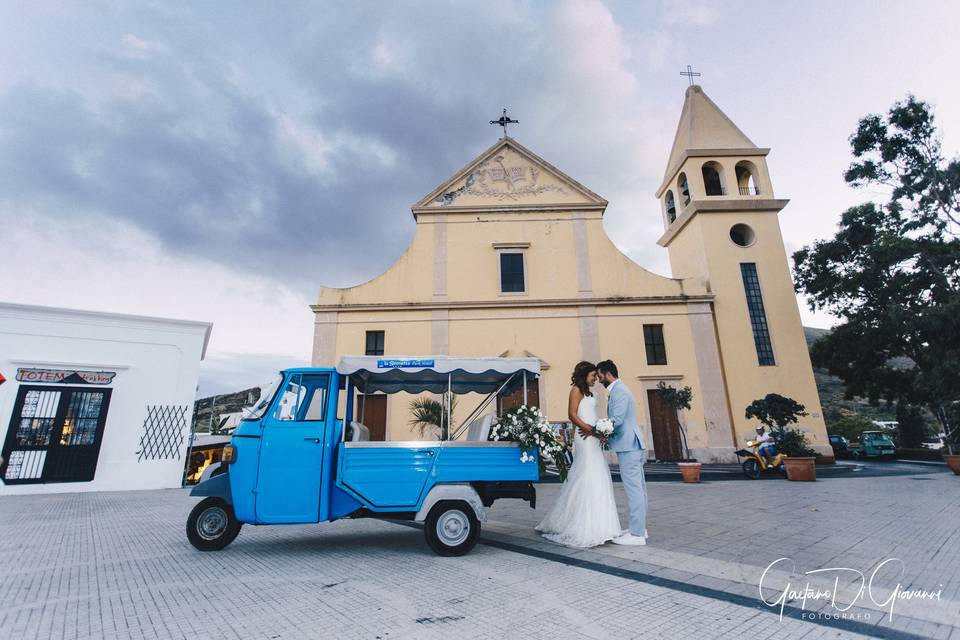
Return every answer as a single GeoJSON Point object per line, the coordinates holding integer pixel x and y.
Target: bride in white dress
{"type": "Point", "coordinates": [585, 513]}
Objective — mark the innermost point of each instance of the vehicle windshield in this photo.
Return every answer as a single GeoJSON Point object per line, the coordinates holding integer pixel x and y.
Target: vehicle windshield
{"type": "Point", "coordinates": [259, 408]}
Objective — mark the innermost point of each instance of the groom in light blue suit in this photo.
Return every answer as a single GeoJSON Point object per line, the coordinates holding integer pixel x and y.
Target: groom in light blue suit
{"type": "Point", "coordinates": [627, 441]}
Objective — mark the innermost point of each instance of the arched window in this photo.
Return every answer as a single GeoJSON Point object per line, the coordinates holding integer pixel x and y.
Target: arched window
{"type": "Point", "coordinates": [747, 178]}
{"type": "Point", "coordinates": [712, 178]}
{"type": "Point", "coordinates": [671, 207]}
{"type": "Point", "coordinates": [683, 189]}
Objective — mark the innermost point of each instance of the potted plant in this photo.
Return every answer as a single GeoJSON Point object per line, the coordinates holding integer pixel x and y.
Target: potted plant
{"type": "Point", "coordinates": [952, 440]}
{"type": "Point", "coordinates": [428, 414]}
{"type": "Point", "coordinates": [679, 400]}
{"type": "Point", "coordinates": [799, 459]}
{"type": "Point", "coordinates": [777, 413]}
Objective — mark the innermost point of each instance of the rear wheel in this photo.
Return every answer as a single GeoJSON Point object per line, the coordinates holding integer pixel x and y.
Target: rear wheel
{"type": "Point", "coordinates": [751, 469]}
{"type": "Point", "coordinates": [212, 525]}
{"type": "Point", "coordinates": [452, 528]}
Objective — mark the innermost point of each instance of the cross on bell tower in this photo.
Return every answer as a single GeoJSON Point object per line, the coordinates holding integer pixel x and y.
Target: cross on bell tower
{"type": "Point", "coordinates": [504, 121]}
{"type": "Point", "coordinates": [690, 73]}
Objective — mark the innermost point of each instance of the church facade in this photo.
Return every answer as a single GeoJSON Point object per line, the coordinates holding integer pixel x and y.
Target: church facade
{"type": "Point", "coordinates": [510, 258]}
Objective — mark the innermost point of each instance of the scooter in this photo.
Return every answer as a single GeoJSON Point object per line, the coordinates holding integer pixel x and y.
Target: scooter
{"type": "Point", "coordinates": [755, 464]}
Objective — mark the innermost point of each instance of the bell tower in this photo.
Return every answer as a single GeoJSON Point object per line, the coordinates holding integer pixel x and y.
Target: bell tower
{"type": "Point", "coordinates": [721, 228]}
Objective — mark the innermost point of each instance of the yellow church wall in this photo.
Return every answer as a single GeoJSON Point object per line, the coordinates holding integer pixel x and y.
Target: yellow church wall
{"type": "Point", "coordinates": [621, 340]}
{"type": "Point", "coordinates": [550, 266]}
{"type": "Point", "coordinates": [550, 334]}
{"type": "Point", "coordinates": [615, 274]}
{"type": "Point", "coordinates": [792, 375]}
{"type": "Point", "coordinates": [688, 258]}
{"type": "Point", "coordinates": [584, 298]}
{"type": "Point", "coordinates": [700, 247]}
{"type": "Point", "coordinates": [409, 278]}
{"type": "Point", "coordinates": [405, 333]}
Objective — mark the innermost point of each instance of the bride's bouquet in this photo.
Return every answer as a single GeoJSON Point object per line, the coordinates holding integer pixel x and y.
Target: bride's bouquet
{"type": "Point", "coordinates": [529, 427]}
{"type": "Point", "coordinates": [604, 427]}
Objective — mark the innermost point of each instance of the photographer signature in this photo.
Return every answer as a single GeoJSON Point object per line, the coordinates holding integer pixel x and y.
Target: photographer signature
{"type": "Point", "coordinates": [807, 593]}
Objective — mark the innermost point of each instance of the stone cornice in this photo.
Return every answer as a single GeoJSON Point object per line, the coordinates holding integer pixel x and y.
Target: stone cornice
{"type": "Point", "coordinates": [514, 303]}
{"type": "Point", "coordinates": [514, 208]}
{"type": "Point", "coordinates": [721, 205]}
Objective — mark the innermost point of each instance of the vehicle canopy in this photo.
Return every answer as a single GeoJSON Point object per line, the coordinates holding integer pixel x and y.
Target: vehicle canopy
{"type": "Point", "coordinates": [441, 375]}
{"type": "Point", "coordinates": [435, 374]}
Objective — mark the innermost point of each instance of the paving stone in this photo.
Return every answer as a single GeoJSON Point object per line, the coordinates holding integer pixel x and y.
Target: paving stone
{"type": "Point", "coordinates": [117, 565]}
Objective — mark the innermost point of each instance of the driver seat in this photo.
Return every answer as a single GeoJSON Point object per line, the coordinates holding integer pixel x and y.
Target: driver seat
{"type": "Point", "coordinates": [479, 430]}
{"type": "Point", "coordinates": [359, 433]}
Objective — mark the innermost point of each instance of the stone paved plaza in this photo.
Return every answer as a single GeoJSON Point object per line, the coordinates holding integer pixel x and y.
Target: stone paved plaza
{"type": "Point", "coordinates": [118, 565]}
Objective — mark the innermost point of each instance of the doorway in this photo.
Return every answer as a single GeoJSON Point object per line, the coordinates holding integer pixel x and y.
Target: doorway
{"type": "Point", "coordinates": [375, 415]}
{"type": "Point", "coordinates": [665, 427]}
{"type": "Point", "coordinates": [54, 435]}
{"type": "Point", "coordinates": [513, 400]}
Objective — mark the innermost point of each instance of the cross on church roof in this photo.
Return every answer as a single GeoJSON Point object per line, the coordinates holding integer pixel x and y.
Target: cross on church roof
{"type": "Point", "coordinates": [690, 73]}
{"type": "Point", "coordinates": [504, 121]}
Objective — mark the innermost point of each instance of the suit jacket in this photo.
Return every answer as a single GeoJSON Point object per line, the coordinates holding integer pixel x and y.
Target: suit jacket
{"type": "Point", "coordinates": [622, 411]}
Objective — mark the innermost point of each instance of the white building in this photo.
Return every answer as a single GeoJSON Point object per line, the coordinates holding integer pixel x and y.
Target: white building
{"type": "Point", "coordinates": [95, 401]}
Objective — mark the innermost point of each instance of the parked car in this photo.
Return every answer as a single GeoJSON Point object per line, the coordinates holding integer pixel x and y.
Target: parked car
{"type": "Point", "coordinates": [875, 444]}
{"type": "Point", "coordinates": [841, 447]}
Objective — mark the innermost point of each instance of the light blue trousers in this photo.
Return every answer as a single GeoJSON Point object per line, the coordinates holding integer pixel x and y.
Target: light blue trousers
{"type": "Point", "coordinates": [631, 474]}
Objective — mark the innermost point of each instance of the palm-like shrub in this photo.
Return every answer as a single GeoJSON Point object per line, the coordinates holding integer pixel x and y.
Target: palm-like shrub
{"type": "Point", "coordinates": [427, 413]}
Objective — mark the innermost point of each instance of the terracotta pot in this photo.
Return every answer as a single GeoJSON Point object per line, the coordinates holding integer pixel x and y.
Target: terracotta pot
{"type": "Point", "coordinates": [690, 471]}
{"type": "Point", "coordinates": [953, 461]}
{"type": "Point", "coordinates": [802, 469]}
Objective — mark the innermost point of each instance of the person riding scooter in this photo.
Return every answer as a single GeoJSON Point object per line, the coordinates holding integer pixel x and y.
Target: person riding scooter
{"type": "Point", "coordinates": [768, 447]}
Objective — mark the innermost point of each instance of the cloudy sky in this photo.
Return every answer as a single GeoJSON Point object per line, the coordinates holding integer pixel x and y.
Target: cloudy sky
{"type": "Point", "coordinates": [220, 161]}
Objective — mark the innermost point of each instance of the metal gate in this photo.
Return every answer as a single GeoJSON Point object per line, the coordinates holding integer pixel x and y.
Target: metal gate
{"type": "Point", "coordinates": [54, 435]}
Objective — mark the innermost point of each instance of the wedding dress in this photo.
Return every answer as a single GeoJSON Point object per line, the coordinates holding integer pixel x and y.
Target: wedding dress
{"type": "Point", "coordinates": [585, 513]}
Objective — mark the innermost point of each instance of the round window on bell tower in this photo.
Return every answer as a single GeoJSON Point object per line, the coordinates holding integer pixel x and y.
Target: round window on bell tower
{"type": "Point", "coordinates": [742, 235]}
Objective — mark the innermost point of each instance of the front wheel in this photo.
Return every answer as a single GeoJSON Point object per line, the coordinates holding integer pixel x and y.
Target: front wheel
{"type": "Point", "coordinates": [452, 528]}
{"type": "Point", "coordinates": [751, 469]}
{"type": "Point", "coordinates": [212, 525]}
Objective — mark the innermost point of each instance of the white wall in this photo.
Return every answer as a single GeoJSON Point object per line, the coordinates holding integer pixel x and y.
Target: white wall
{"type": "Point", "coordinates": [157, 362]}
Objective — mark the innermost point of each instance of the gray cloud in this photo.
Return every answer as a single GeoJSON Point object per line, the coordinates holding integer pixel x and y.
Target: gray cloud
{"type": "Point", "coordinates": [293, 145]}
{"type": "Point", "coordinates": [230, 372]}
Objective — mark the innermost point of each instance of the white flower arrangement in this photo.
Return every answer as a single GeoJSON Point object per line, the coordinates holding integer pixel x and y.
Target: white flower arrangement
{"type": "Point", "coordinates": [604, 427]}
{"type": "Point", "coordinates": [529, 427]}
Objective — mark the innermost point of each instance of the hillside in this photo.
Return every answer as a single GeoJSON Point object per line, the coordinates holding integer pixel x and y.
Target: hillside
{"type": "Point", "coordinates": [831, 391]}
{"type": "Point", "coordinates": [221, 405]}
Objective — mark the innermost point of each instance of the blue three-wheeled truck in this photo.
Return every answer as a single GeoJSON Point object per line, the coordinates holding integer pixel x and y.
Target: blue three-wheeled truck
{"type": "Point", "coordinates": [293, 460]}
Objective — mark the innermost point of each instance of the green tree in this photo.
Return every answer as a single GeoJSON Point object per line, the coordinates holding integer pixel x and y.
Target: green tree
{"type": "Point", "coordinates": [679, 400]}
{"type": "Point", "coordinates": [892, 271]}
{"type": "Point", "coordinates": [851, 426]}
{"type": "Point", "coordinates": [776, 411]}
{"type": "Point", "coordinates": [911, 426]}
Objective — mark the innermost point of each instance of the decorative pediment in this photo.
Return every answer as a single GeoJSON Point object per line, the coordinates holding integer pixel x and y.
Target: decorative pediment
{"type": "Point", "coordinates": [507, 175]}
{"type": "Point", "coordinates": [544, 365]}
